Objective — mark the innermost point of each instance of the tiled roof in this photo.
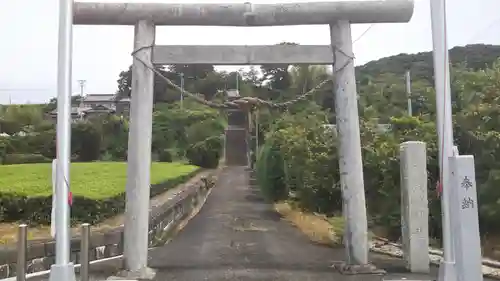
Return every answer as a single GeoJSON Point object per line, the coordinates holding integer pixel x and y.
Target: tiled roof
{"type": "Point", "coordinates": [99, 98]}
{"type": "Point", "coordinates": [74, 110]}
{"type": "Point", "coordinates": [124, 100]}
{"type": "Point", "coordinates": [99, 107]}
{"type": "Point", "coordinates": [233, 93]}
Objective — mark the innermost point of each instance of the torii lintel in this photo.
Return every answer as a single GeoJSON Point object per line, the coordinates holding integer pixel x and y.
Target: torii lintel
{"type": "Point", "coordinates": [244, 14]}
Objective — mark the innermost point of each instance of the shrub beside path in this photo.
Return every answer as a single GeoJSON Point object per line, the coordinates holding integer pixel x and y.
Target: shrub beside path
{"type": "Point", "coordinates": [238, 236]}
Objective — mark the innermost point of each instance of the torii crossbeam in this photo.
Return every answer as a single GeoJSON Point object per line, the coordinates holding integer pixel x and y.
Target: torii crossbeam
{"type": "Point", "coordinates": [244, 14]}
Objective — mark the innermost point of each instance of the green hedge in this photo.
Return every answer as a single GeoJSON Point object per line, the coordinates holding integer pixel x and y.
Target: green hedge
{"type": "Point", "coordinates": [299, 159]}
{"type": "Point", "coordinates": [37, 210]}
{"type": "Point", "coordinates": [270, 173]}
{"type": "Point", "coordinates": [205, 153]}
{"type": "Point", "coordinates": [11, 159]}
{"type": "Point", "coordinates": [309, 157]}
{"type": "Point", "coordinates": [166, 155]}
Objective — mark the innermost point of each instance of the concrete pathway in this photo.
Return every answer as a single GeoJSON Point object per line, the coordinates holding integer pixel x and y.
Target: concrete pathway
{"type": "Point", "coordinates": [237, 236]}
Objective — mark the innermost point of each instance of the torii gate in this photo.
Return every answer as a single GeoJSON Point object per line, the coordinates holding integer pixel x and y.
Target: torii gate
{"type": "Point", "coordinates": [338, 15]}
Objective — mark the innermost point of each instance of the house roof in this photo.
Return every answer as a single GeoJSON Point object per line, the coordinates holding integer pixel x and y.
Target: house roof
{"type": "Point", "coordinates": [74, 110]}
{"type": "Point", "coordinates": [124, 100]}
{"type": "Point", "coordinates": [99, 107]}
{"type": "Point", "coordinates": [99, 98]}
{"type": "Point", "coordinates": [233, 93]}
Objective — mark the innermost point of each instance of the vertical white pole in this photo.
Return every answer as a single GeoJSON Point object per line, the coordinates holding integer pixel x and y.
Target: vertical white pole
{"type": "Point", "coordinates": [139, 154]}
{"type": "Point", "coordinates": [63, 269]}
{"type": "Point", "coordinates": [350, 162]}
{"type": "Point", "coordinates": [447, 269]}
{"type": "Point", "coordinates": [408, 91]}
{"type": "Point", "coordinates": [237, 82]}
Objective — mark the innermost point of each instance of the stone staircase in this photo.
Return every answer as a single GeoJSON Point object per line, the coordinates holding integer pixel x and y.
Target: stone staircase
{"type": "Point", "coordinates": [236, 144]}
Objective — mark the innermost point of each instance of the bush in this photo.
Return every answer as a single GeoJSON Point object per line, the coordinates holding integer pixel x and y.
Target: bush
{"type": "Point", "coordinates": [86, 141]}
{"type": "Point", "coordinates": [203, 130]}
{"type": "Point", "coordinates": [11, 159]}
{"type": "Point", "coordinates": [43, 143]}
{"type": "Point", "coordinates": [180, 129]}
{"type": "Point", "coordinates": [270, 173]}
{"type": "Point", "coordinates": [106, 137]}
{"type": "Point", "coordinates": [299, 157]}
{"type": "Point", "coordinates": [205, 154]}
{"type": "Point", "coordinates": [114, 140]}
{"type": "Point", "coordinates": [165, 155]}
{"type": "Point", "coordinates": [4, 143]}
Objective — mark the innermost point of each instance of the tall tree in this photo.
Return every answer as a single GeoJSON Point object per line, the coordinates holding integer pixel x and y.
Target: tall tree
{"type": "Point", "coordinates": [276, 76]}
{"type": "Point", "coordinates": [196, 71]}
{"type": "Point", "coordinates": [162, 91]}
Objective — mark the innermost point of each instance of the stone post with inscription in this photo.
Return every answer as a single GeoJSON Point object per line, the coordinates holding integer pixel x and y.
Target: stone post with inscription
{"type": "Point", "coordinates": [414, 206]}
{"type": "Point", "coordinates": [465, 220]}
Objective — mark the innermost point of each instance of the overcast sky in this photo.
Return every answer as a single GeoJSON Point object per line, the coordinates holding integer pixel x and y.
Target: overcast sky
{"type": "Point", "coordinates": [28, 53]}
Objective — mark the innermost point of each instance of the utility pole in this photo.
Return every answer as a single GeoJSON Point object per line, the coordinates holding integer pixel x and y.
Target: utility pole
{"type": "Point", "coordinates": [408, 91]}
{"type": "Point", "coordinates": [238, 82]}
{"type": "Point", "coordinates": [182, 89]}
{"type": "Point", "coordinates": [256, 133]}
{"type": "Point", "coordinates": [82, 87]}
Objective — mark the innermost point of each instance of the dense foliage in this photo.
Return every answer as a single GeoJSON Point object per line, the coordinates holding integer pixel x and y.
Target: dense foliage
{"type": "Point", "coordinates": [299, 161]}
{"type": "Point", "coordinates": [28, 135]}
{"type": "Point", "coordinates": [105, 138]}
{"type": "Point", "coordinates": [298, 157]}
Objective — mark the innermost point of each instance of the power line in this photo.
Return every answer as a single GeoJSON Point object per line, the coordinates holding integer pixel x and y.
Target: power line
{"type": "Point", "coordinates": [363, 34]}
{"type": "Point", "coordinates": [480, 31]}
{"type": "Point", "coordinates": [22, 89]}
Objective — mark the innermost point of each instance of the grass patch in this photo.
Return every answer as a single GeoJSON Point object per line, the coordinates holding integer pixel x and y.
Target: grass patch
{"type": "Point", "coordinates": [96, 180]}
{"type": "Point", "coordinates": [98, 189]}
{"type": "Point", "coordinates": [9, 231]}
{"type": "Point", "coordinates": [319, 228]}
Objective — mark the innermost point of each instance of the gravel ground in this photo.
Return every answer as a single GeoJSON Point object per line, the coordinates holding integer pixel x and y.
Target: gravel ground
{"type": "Point", "coordinates": [237, 236]}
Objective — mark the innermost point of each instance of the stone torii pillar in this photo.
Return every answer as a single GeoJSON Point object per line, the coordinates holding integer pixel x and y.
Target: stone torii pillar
{"type": "Point", "coordinates": [339, 15]}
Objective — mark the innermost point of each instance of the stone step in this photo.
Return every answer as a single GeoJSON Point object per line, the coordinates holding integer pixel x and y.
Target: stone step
{"type": "Point", "coordinates": [237, 117]}
{"type": "Point", "coordinates": [236, 150]}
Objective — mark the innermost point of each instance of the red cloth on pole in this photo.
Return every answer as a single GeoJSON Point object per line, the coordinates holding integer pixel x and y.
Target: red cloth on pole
{"type": "Point", "coordinates": [70, 198]}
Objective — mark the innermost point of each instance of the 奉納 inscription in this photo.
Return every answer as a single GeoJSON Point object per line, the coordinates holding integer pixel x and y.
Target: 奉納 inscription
{"type": "Point", "coordinates": [466, 183]}
{"type": "Point", "coordinates": [467, 203]}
